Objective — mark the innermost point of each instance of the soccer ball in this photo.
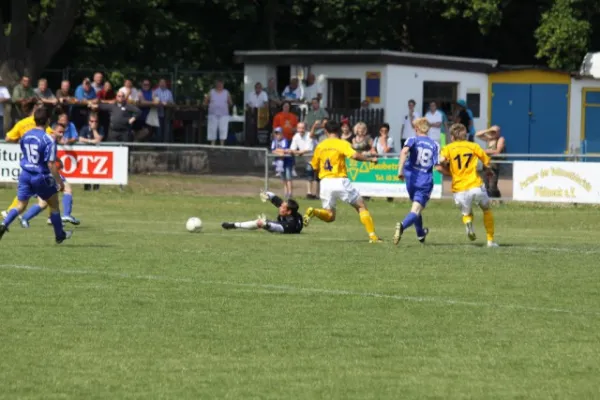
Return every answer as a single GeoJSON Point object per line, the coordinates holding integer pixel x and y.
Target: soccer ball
{"type": "Point", "coordinates": [193, 224]}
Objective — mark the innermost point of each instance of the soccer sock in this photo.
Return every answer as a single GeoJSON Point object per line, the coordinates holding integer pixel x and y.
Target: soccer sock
{"type": "Point", "coordinates": [14, 204]}
{"type": "Point", "coordinates": [410, 219]}
{"type": "Point", "coordinates": [367, 221]}
{"type": "Point", "coordinates": [467, 218]}
{"type": "Point", "coordinates": [67, 204]}
{"type": "Point", "coordinates": [250, 225]}
{"type": "Point", "coordinates": [323, 214]}
{"type": "Point", "coordinates": [57, 224]}
{"type": "Point", "coordinates": [488, 222]}
{"type": "Point", "coordinates": [32, 212]}
{"type": "Point", "coordinates": [419, 226]}
{"type": "Point", "coordinates": [12, 215]}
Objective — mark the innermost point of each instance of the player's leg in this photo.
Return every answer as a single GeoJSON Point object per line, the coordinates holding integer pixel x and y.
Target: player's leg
{"type": "Point", "coordinates": [351, 196]}
{"type": "Point", "coordinates": [409, 220]}
{"type": "Point", "coordinates": [286, 177]}
{"type": "Point", "coordinates": [223, 129]}
{"type": "Point", "coordinates": [60, 234]}
{"type": "Point", "coordinates": [24, 193]}
{"type": "Point", "coordinates": [32, 212]}
{"type": "Point", "coordinates": [211, 129]}
{"type": "Point", "coordinates": [465, 201]}
{"type": "Point", "coordinates": [67, 201]}
{"type": "Point", "coordinates": [488, 217]}
{"type": "Point", "coordinates": [328, 197]}
{"type": "Point", "coordinates": [246, 225]}
{"type": "Point", "coordinates": [310, 178]}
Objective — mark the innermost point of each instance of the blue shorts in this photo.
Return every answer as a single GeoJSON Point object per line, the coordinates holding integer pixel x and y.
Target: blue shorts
{"type": "Point", "coordinates": [41, 185]}
{"type": "Point", "coordinates": [286, 174]}
{"type": "Point", "coordinates": [418, 192]}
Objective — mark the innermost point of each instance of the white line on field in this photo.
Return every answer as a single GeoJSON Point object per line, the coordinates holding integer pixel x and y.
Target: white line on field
{"type": "Point", "coordinates": [293, 289]}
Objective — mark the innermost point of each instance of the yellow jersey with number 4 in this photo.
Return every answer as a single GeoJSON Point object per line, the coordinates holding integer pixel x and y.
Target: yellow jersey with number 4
{"type": "Point", "coordinates": [462, 158]}
{"type": "Point", "coordinates": [330, 156]}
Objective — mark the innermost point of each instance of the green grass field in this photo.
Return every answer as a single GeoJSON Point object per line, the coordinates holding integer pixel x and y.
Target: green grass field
{"type": "Point", "coordinates": [134, 307]}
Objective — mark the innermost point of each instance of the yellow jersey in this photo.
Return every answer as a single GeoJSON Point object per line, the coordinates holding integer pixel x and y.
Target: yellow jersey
{"type": "Point", "coordinates": [22, 127]}
{"type": "Point", "coordinates": [462, 157]}
{"type": "Point", "coordinates": [330, 156]}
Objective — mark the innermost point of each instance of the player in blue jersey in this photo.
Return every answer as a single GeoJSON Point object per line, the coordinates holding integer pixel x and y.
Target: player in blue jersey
{"type": "Point", "coordinates": [39, 175]}
{"type": "Point", "coordinates": [417, 159]}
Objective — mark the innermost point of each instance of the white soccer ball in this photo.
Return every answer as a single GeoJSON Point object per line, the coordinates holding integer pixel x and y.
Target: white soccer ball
{"type": "Point", "coordinates": [193, 224]}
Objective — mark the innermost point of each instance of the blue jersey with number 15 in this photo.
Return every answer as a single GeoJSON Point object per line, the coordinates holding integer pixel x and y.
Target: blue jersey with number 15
{"type": "Point", "coordinates": [38, 150]}
{"type": "Point", "coordinates": [422, 157]}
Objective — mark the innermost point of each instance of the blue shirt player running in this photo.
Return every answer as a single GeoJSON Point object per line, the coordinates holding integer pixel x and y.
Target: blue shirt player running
{"type": "Point", "coordinates": [418, 157]}
{"type": "Point", "coordinates": [39, 175]}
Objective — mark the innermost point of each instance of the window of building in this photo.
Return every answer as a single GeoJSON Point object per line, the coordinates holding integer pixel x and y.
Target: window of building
{"type": "Point", "coordinates": [443, 93]}
{"type": "Point", "coordinates": [474, 103]}
{"type": "Point", "coordinates": [344, 93]}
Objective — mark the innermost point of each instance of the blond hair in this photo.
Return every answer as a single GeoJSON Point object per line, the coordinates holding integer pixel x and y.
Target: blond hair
{"type": "Point", "coordinates": [458, 132]}
{"type": "Point", "coordinates": [422, 125]}
{"type": "Point", "coordinates": [359, 125]}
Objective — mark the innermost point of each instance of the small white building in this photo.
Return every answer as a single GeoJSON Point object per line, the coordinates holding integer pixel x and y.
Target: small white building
{"type": "Point", "coordinates": [388, 79]}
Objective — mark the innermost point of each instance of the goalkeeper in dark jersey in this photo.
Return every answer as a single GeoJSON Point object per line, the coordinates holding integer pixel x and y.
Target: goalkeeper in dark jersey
{"type": "Point", "coordinates": [288, 218]}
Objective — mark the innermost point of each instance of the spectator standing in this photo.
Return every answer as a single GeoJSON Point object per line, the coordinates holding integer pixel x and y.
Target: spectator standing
{"type": "Point", "coordinates": [105, 95]}
{"type": "Point", "coordinates": [362, 142]}
{"type": "Point", "coordinates": [347, 133]}
{"type": "Point", "coordinates": [64, 93]}
{"type": "Point", "coordinates": [316, 113]}
{"type": "Point", "coordinates": [165, 98]}
{"type": "Point", "coordinates": [302, 144]}
{"type": "Point", "coordinates": [146, 102]}
{"type": "Point", "coordinates": [4, 98]}
{"type": "Point", "coordinates": [286, 120]}
{"type": "Point", "coordinates": [131, 93]}
{"type": "Point", "coordinates": [383, 144]}
{"type": "Point", "coordinates": [44, 94]}
{"type": "Point", "coordinates": [436, 120]}
{"type": "Point", "coordinates": [23, 97]}
{"type": "Point", "coordinates": [280, 146]}
{"type": "Point", "coordinates": [91, 134]}
{"type": "Point", "coordinates": [408, 129]}
{"type": "Point", "coordinates": [463, 117]}
{"type": "Point", "coordinates": [122, 117]}
{"type": "Point", "coordinates": [84, 94]}
{"type": "Point", "coordinates": [218, 101]}
{"type": "Point", "coordinates": [98, 82]}
{"type": "Point", "coordinates": [293, 91]}
{"type": "Point", "coordinates": [258, 98]}
{"type": "Point", "coordinates": [496, 146]}
{"type": "Point", "coordinates": [313, 89]}
{"type": "Point", "coordinates": [70, 136]}
{"type": "Point", "coordinates": [273, 95]}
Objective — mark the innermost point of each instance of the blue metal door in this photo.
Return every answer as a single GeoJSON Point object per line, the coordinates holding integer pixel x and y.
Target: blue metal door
{"type": "Point", "coordinates": [592, 122]}
{"type": "Point", "coordinates": [548, 124]}
{"type": "Point", "coordinates": [510, 110]}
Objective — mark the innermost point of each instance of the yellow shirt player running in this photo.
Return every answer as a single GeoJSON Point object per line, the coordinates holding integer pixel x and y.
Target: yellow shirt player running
{"type": "Point", "coordinates": [459, 160]}
{"type": "Point", "coordinates": [329, 160]}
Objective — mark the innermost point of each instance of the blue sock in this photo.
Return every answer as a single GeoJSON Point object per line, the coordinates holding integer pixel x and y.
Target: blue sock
{"type": "Point", "coordinates": [57, 224]}
{"type": "Point", "coordinates": [410, 219]}
{"type": "Point", "coordinates": [12, 215]}
{"type": "Point", "coordinates": [419, 226]}
{"type": "Point", "coordinates": [67, 204]}
{"type": "Point", "coordinates": [32, 212]}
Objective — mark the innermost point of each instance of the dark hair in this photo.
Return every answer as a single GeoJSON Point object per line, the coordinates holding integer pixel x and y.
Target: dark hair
{"type": "Point", "coordinates": [59, 124]}
{"type": "Point", "coordinates": [293, 206]}
{"type": "Point", "coordinates": [315, 99]}
{"type": "Point", "coordinates": [385, 125]}
{"type": "Point", "coordinates": [332, 127]}
{"type": "Point", "coordinates": [289, 103]}
{"type": "Point", "coordinates": [411, 101]}
{"type": "Point", "coordinates": [41, 117]}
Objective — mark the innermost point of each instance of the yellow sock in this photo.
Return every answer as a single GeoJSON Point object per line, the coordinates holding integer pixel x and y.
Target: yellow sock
{"type": "Point", "coordinates": [367, 221]}
{"type": "Point", "coordinates": [14, 204]}
{"type": "Point", "coordinates": [323, 215]}
{"type": "Point", "coordinates": [467, 218]}
{"type": "Point", "coordinates": [488, 222]}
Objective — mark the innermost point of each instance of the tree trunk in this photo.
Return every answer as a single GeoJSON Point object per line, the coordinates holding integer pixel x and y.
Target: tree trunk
{"type": "Point", "coordinates": [271, 8]}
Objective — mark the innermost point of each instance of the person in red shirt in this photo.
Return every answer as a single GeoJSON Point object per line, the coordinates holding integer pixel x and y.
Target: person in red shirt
{"type": "Point", "coordinates": [286, 120]}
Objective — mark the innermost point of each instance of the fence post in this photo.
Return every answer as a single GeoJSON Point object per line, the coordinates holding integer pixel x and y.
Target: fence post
{"type": "Point", "coordinates": [266, 170]}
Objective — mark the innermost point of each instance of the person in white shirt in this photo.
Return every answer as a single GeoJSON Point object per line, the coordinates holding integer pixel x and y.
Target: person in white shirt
{"type": "Point", "coordinates": [383, 144]}
{"type": "Point", "coordinates": [293, 91]}
{"type": "Point", "coordinates": [408, 129]}
{"type": "Point", "coordinates": [218, 101]}
{"type": "Point", "coordinates": [435, 119]}
{"type": "Point", "coordinates": [131, 93]}
{"type": "Point", "coordinates": [4, 98]}
{"type": "Point", "coordinates": [312, 90]}
{"type": "Point", "coordinates": [258, 98]}
{"type": "Point", "coordinates": [302, 144]}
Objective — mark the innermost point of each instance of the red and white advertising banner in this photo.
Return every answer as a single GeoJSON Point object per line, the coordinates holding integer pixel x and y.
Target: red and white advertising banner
{"type": "Point", "coordinates": [81, 164]}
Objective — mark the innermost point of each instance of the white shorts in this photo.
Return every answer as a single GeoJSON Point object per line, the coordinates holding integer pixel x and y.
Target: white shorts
{"type": "Point", "coordinates": [333, 189]}
{"type": "Point", "coordinates": [215, 124]}
{"type": "Point", "coordinates": [476, 196]}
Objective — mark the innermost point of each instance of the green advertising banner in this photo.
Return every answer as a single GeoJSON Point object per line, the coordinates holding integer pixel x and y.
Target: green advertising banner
{"type": "Point", "coordinates": [381, 179]}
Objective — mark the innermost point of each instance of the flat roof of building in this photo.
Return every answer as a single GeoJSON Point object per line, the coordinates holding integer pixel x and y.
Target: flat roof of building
{"type": "Point", "coordinates": [303, 57]}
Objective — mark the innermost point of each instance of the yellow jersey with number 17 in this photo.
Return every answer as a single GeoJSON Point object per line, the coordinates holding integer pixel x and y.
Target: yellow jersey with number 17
{"type": "Point", "coordinates": [462, 157]}
{"type": "Point", "coordinates": [330, 156]}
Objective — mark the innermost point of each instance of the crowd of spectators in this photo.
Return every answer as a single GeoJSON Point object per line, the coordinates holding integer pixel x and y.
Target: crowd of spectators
{"type": "Point", "coordinates": [94, 110]}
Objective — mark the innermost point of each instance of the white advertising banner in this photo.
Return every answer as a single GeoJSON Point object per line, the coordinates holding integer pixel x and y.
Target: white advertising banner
{"type": "Point", "coordinates": [556, 182]}
{"type": "Point", "coordinates": [81, 164]}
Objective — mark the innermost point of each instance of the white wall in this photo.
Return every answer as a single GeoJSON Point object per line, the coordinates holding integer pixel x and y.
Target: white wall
{"type": "Point", "coordinates": [256, 73]}
{"type": "Point", "coordinates": [575, 109]}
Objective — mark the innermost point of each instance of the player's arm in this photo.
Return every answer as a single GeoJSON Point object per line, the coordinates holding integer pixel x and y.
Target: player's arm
{"type": "Point", "coordinates": [50, 159]}
{"type": "Point", "coordinates": [14, 134]}
{"type": "Point", "coordinates": [403, 156]}
{"type": "Point", "coordinates": [272, 197]}
{"type": "Point", "coordinates": [443, 164]}
{"type": "Point", "coordinates": [314, 163]}
{"type": "Point", "coordinates": [349, 152]}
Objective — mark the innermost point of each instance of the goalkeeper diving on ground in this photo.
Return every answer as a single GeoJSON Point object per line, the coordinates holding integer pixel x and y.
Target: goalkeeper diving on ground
{"type": "Point", "coordinates": [288, 218]}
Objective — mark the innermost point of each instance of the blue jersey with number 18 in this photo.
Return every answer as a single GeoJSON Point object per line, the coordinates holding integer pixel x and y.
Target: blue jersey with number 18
{"type": "Point", "coordinates": [38, 150]}
{"type": "Point", "coordinates": [422, 157]}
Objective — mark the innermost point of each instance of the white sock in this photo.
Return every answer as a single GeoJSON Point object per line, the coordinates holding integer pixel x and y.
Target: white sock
{"type": "Point", "coordinates": [250, 225]}
{"type": "Point", "coordinates": [270, 194]}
